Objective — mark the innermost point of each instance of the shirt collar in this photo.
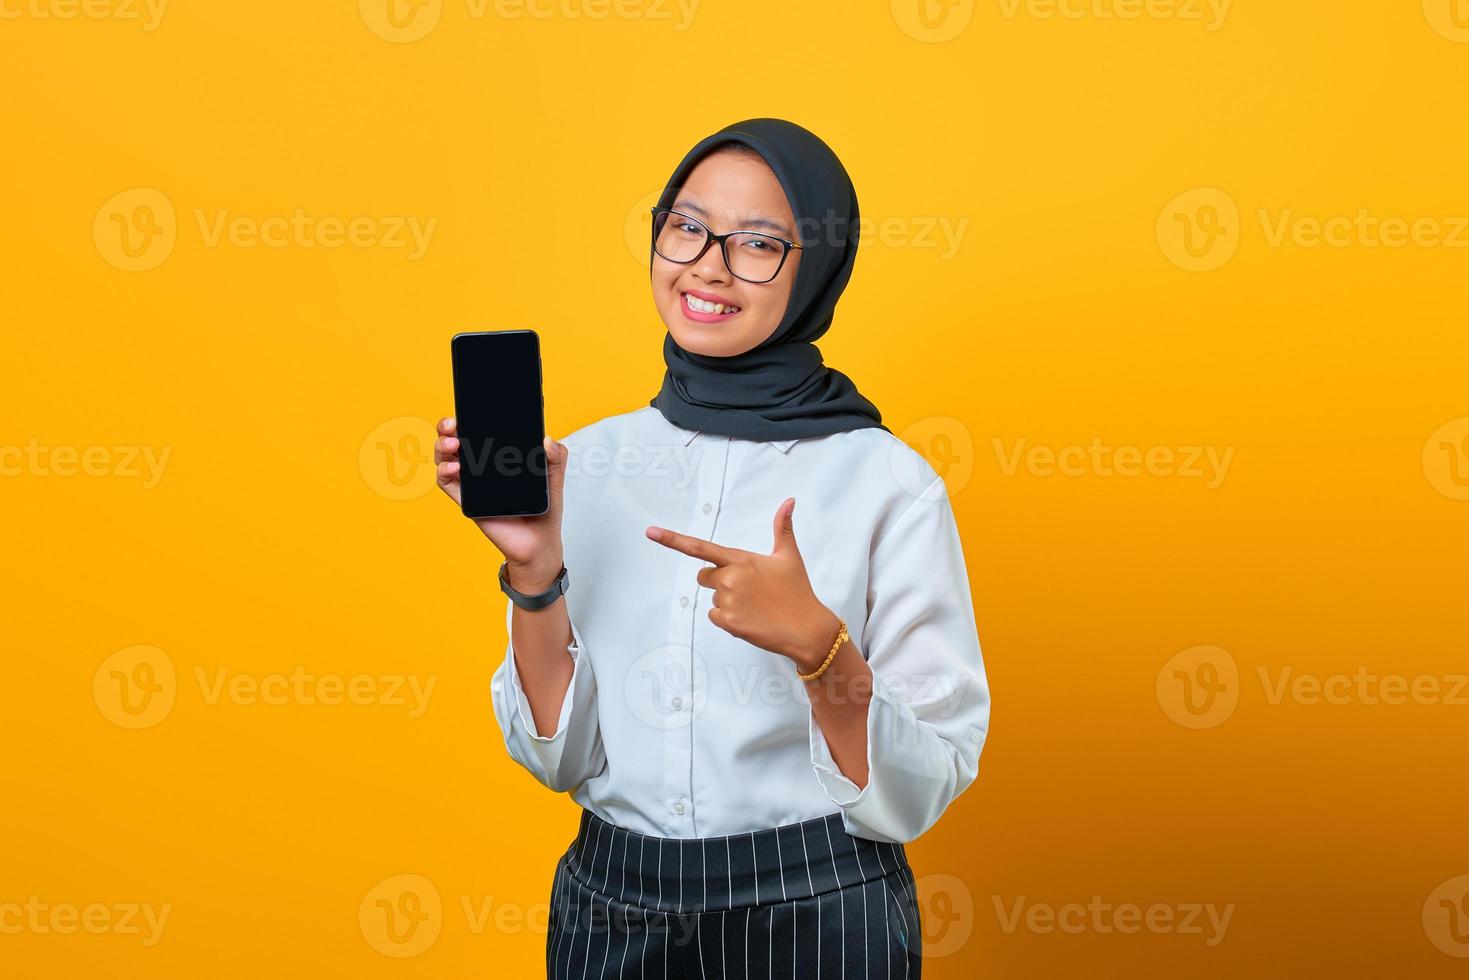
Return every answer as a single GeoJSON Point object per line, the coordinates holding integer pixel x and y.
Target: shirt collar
{"type": "Point", "coordinates": [687, 436]}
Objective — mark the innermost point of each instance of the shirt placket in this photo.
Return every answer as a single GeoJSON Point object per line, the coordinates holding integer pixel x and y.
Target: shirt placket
{"type": "Point", "coordinates": [687, 665]}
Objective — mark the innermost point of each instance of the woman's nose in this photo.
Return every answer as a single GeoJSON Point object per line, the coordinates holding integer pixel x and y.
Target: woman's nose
{"type": "Point", "coordinates": [710, 266]}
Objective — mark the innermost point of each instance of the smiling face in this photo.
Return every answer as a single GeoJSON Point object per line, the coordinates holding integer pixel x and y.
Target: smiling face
{"type": "Point", "coordinates": [728, 191]}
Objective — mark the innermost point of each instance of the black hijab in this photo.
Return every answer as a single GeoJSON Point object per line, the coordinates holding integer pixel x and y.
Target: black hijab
{"type": "Point", "coordinates": [779, 389]}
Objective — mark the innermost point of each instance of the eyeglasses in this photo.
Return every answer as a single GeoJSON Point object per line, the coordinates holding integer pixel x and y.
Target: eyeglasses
{"type": "Point", "coordinates": [682, 238]}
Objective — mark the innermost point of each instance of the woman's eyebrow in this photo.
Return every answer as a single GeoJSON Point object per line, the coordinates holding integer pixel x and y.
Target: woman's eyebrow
{"type": "Point", "coordinates": [747, 224]}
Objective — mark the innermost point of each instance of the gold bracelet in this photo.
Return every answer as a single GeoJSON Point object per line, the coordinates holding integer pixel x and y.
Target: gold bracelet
{"type": "Point", "coordinates": [841, 638]}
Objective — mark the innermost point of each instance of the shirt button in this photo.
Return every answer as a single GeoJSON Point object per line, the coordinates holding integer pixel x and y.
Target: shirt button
{"type": "Point", "coordinates": [678, 807]}
{"type": "Point", "coordinates": [678, 704]}
{"type": "Point", "coordinates": [974, 736]}
{"type": "Point", "coordinates": [683, 600]}
{"type": "Point", "coordinates": [708, 508]}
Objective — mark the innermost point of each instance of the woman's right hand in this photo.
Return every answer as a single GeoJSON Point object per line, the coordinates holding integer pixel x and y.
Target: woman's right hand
{"type": "Point", "coordinates": [531, 545]}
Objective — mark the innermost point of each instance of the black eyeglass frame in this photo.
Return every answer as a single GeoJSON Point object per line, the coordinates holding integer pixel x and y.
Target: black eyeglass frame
{"type": "Point", "coordinates": [710, 238]}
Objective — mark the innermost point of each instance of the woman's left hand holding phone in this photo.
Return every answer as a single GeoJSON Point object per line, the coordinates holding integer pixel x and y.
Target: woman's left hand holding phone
{"type": "Point", "coordinates": [534, 556]}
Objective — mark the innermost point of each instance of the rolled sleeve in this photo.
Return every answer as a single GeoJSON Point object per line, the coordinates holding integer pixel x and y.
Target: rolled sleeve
{"type": "Point", "coordinates": [572, 753]}
{"type": "Point", "coordinates": [928, 716]}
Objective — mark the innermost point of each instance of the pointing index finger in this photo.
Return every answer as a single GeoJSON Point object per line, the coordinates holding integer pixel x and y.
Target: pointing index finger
{"type": "Point", "coordinates": [692, 546]}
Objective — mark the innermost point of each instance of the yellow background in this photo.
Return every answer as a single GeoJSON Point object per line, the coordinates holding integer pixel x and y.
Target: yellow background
{"type": "Point", "coordinates": [272, 542]}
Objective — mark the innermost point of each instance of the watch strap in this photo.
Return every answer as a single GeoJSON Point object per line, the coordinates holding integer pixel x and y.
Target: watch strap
{"type": "Point", "coordinates": [540, 600]}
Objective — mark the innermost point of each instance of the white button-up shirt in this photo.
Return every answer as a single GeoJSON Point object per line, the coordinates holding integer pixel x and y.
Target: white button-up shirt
{"type": "Point", "coordinates": [674, 727]}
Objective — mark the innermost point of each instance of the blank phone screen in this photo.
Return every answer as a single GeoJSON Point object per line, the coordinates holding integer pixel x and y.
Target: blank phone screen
{"type": "Point", "coordinates": [498, 407]}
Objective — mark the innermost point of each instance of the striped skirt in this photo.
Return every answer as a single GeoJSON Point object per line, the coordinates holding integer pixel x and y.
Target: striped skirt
{"type": "Point", "coordinates": [804, 900]}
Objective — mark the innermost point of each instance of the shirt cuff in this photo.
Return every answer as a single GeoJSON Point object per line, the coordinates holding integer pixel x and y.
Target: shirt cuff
{"type": "Point", "coordinates": [838, 788]}
{"type": "Point", "coordinates": [527, 717]}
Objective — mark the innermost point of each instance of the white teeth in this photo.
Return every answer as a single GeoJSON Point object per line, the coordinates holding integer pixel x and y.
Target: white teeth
{"type": "Point", "coordinates": [695, 303]}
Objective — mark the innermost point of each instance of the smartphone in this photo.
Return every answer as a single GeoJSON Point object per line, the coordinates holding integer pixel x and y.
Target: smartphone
{"type": "Point", "coordinates": [500, 411]}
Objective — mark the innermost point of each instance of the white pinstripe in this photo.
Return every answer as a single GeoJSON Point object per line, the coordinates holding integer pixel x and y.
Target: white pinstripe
{"type": "Point", "coordinates": [818, 935]}
{"type": "Point", "coordinates": [747, 943]}
{"type": "Point", "coordinates": [887, 931]}
{"type": "Point", "coordinates": [641, 842]}
{"type": "Point", "coordinates": [622, 871]}
{"type": "Point", "coordinates": [807, 856]}
{"type": "Point", "coordinates": [643, 960]}
{"type": "Point", "coordinates": [565, 909]}
{"type": "Point", "coordinates": [626, 942]}
{"type": "Point", "coordinates": [607, 871]}
{"type": "Point", "coordinates": [699, 944]}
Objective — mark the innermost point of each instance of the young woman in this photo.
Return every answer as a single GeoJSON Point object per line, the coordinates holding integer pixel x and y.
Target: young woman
{"type": "Point", "coordinates": [755, 711]}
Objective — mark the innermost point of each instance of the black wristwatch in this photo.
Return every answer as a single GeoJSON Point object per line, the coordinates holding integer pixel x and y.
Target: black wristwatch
{"type": "Point", "coordinates": [540, 601]}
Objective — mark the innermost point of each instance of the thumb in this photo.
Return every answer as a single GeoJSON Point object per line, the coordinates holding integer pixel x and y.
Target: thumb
{"type": "Point", "coordinates": [556, 454]}
{"type": "Point", "coordinates": [785, 528]}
